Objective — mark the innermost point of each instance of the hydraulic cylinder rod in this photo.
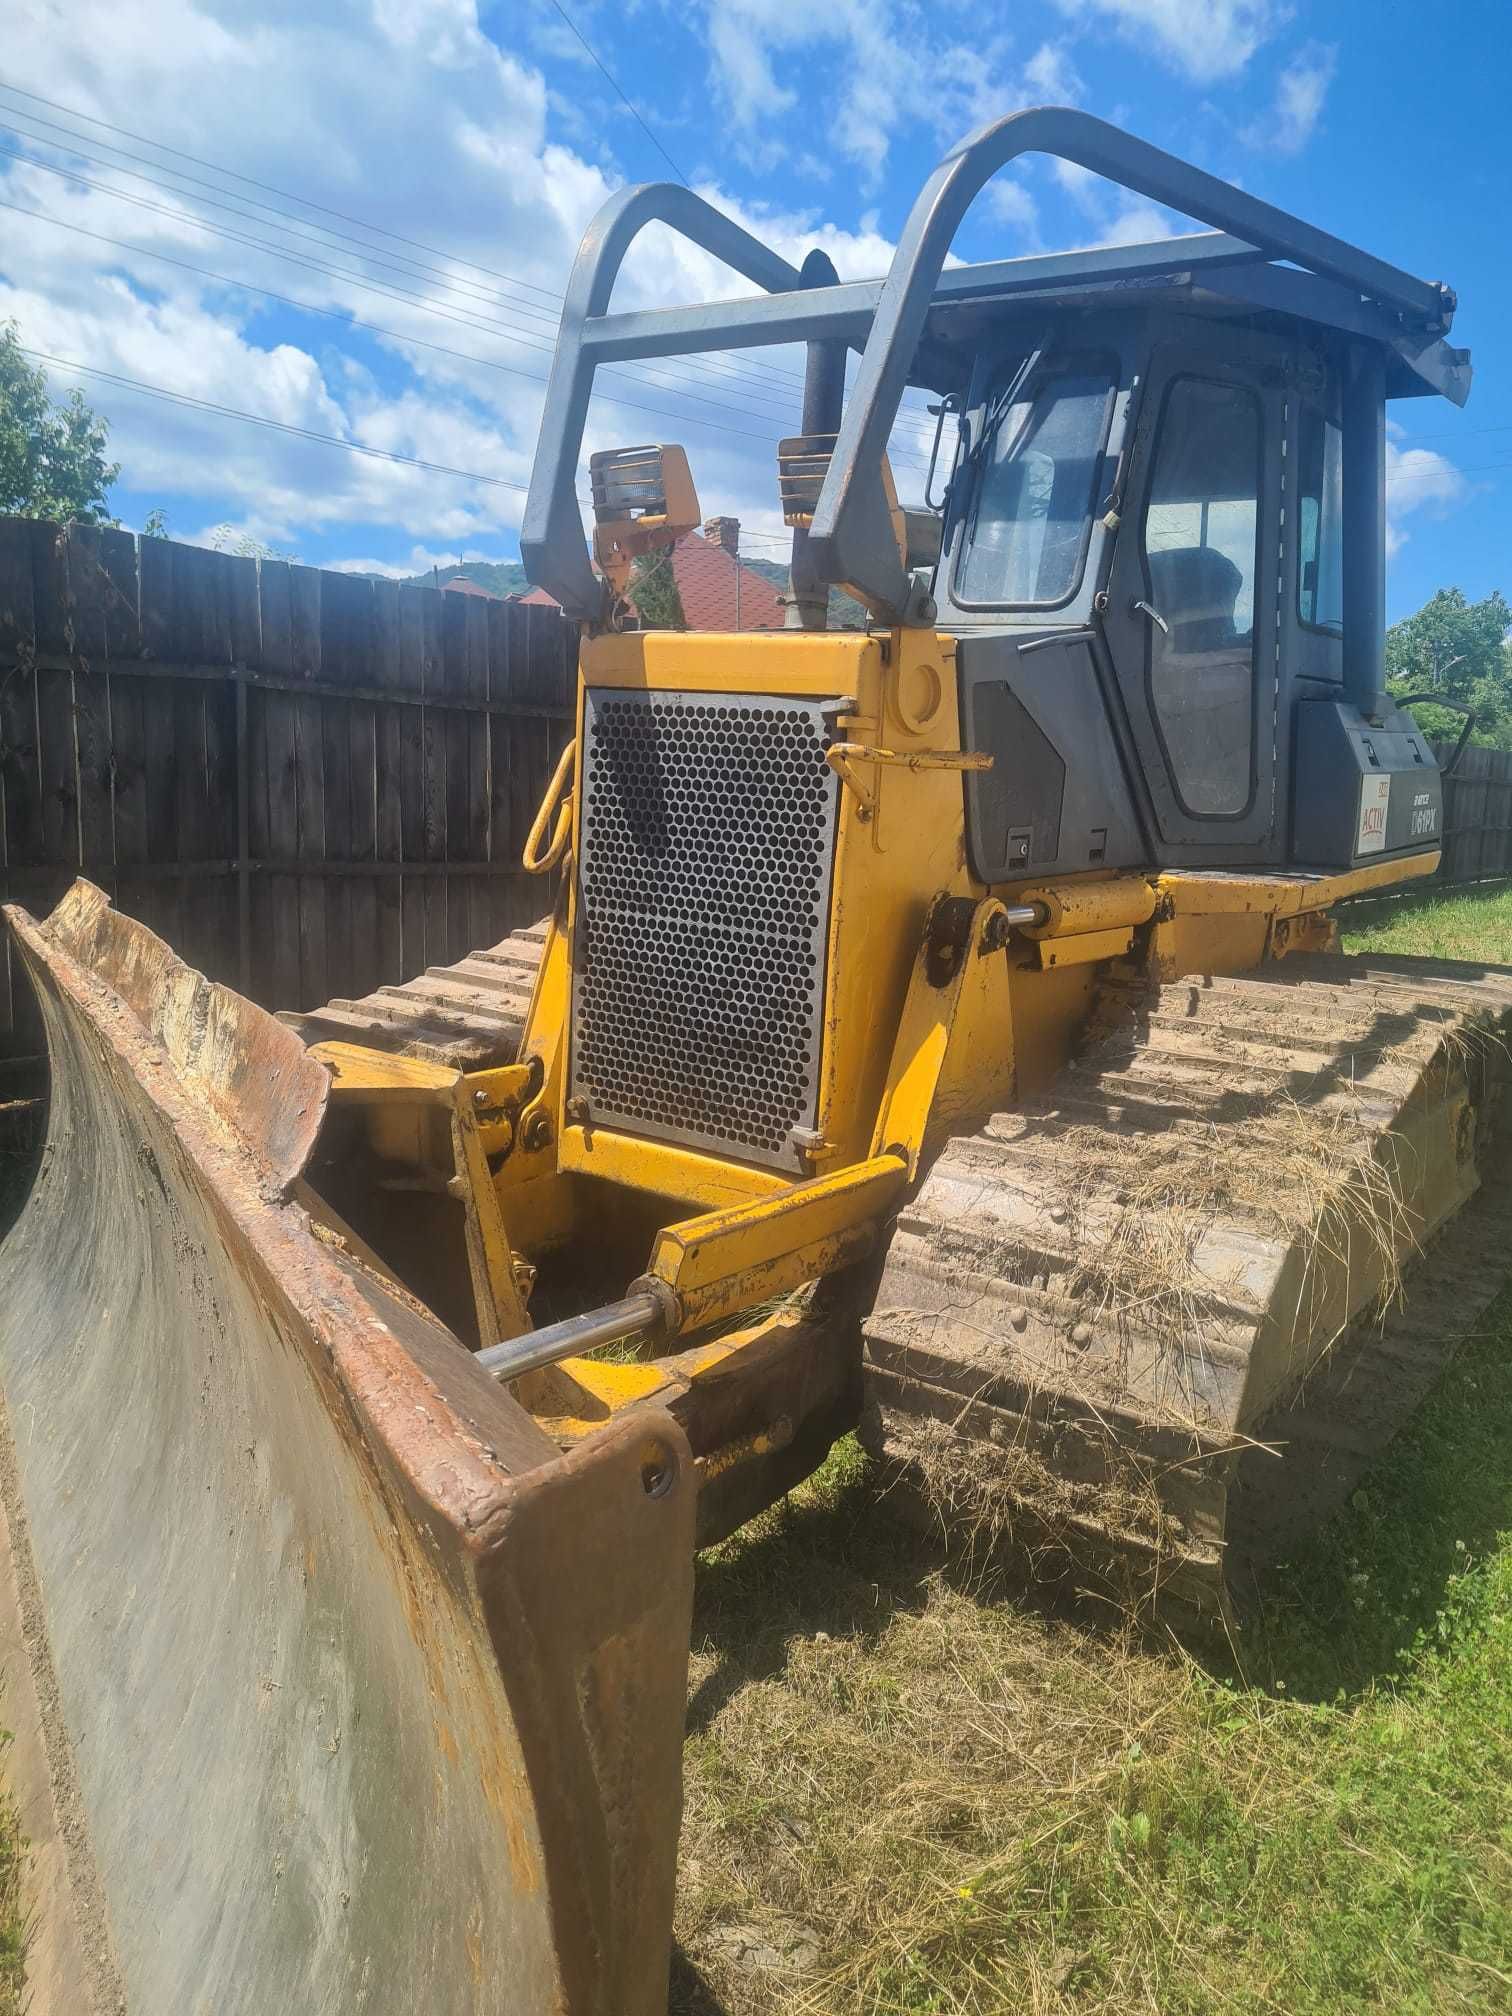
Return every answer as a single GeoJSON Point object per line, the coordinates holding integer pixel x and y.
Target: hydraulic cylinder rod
{"type": "Point", "coordinates": [608, 1325]}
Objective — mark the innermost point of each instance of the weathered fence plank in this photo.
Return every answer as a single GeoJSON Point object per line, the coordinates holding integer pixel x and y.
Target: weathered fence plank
{"type": "Point", "coordinates": [313, 784]}
{"type": "Point", "coordinates": [310, 783]}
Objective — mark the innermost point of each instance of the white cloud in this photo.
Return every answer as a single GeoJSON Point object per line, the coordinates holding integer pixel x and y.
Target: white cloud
{"type": "Point", "coordinates": [1052, 76]}
{"type": "Point", "coordinates": [1011, 203]}
{"type": "Point", "coordinates": [1300, 91]}
{"type": "Point", "coordinates": [1207, 40]}
{"type": "Point", "coordinates": [1417, 479]}
{"type": "Point", "coordinates": [397, 110]}
{"type": "Point", "coordinates": [884, 65]}
{"type": "Point", "coordinates": [420, 561]}
{"type": "Point", "coordinates": [1118, 217]}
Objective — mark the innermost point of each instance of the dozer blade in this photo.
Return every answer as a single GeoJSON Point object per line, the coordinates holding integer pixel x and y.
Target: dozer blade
{"type": "Point", "coordinates": [344, 1690]}
{"type": "Point", "coordinates": [1194, 1293]}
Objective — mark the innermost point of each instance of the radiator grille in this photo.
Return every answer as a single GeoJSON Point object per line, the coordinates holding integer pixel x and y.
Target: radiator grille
{"type": "Point", "coordinates": [703, 903]}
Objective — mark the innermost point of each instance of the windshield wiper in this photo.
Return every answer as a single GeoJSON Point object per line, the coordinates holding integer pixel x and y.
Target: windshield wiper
{"type": "Point", "coordinates": [975, 459]}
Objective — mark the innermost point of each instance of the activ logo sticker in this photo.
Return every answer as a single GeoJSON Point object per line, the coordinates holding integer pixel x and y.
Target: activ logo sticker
{"type": "Point", "coordinates": [1375, 800]}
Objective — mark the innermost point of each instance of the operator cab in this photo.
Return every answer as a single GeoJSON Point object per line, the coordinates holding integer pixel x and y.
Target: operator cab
{"type": "Point", "coordinates": [1143, 557]}
{"type": "Point", "coordinates": [1161, 544]}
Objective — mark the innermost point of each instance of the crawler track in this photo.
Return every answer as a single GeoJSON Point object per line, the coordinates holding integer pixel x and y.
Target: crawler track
{"type": "Point", "coordinates": [1143, 1321]}
{"type": "Point", "coordinates": [469, 1015]}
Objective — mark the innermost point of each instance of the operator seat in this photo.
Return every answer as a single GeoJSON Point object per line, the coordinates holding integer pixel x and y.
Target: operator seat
{"type": "Point", "coordinates": [1196, 588]}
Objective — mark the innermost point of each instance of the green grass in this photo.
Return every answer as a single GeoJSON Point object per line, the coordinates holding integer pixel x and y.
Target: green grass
{"type": "Point", "coordinates": [1471, 923]}
{"type": "Point", "coordinates": [13, 1911]}
{"type": "Point", "coordinates": [909, 1792]}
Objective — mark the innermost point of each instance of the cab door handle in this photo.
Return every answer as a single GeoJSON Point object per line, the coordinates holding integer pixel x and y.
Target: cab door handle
{"type": "Point", "coordinates": [1154, 616]}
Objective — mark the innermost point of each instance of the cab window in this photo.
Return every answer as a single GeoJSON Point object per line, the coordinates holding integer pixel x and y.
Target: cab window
{"type": "Point", "coordinates": [1031, 508]}
{"type": "Point", "coordinates": [1201, 558]}
{"type": "Point", "coordinates": [1320, 514]}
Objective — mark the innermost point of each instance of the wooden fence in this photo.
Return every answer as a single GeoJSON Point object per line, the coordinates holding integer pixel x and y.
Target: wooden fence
{"type": "Point", "coordinates": [1477, 816]}
{"type": "Point", "coordinates": [310, 783]}
{"type": "Point", "coordinates": [307, 782]}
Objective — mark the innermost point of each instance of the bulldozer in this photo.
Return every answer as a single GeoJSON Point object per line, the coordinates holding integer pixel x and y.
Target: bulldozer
{"type": "Point", "coordinates": [935, 1027]}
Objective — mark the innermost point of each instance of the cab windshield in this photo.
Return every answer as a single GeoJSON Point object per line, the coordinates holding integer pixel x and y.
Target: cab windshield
{"type": "Point", "coordinates": [1031, 506]}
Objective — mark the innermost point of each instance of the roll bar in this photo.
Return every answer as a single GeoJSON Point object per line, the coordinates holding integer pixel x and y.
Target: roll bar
{"type": "Point", "coordinates": [552, 546]}
{"type": "Point", "coordinates": [851, 538]}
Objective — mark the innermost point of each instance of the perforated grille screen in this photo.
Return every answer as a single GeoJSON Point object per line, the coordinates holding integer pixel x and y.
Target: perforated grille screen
{"type": "Point", "coordinates": [703, 900]}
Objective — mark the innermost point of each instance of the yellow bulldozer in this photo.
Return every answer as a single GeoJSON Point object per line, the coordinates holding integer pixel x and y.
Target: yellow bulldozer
{"type": "Point", "coordinates": [935, 1027]}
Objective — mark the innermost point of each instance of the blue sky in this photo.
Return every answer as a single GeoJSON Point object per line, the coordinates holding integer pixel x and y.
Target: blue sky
{"type": "Point", "coordinates": [425, 167]}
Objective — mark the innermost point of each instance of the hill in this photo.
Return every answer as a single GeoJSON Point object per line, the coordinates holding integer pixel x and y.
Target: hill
{"type": "Point", "coordinates": [503, 577]}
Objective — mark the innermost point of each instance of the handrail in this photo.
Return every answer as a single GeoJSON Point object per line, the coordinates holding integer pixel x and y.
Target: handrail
{"type": "Point", "coordinates": [841, 536]}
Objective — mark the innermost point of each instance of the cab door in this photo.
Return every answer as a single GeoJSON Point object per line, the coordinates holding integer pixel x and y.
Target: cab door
{"type": "Point", "coordinates": [1191, 615]}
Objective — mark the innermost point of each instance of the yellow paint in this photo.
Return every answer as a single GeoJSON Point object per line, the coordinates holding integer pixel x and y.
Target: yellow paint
{"type": "Point", "coordinates": [902, 1062]}
{"type": "Point", "coordinates": [401, 1097]}
{"type": "Point", "coordinates": [1228, 942]}
{"type": "Point", "coordinates": [533, 1195]}
{"type": "Point", "coordinates": [1313, 931]}
{"type": "Point", "coordinates": [1083, 948]}
{"type": "Point", "coordinates": [1212, 894]}
{"type": "Point", "coordinates": [684, 1174]}
{"type": "Point", "coordinates": [1049, 1010]}
{"type": "Point", "coordinates": [376, 1077]}
{"type": "Point", "coordinates": [496, 1286]}
{"type": "Point", "coordinates": [560, 794]}
{"type": "Point", "coordinates": [726, 1261]}
{"type": "Point", "coordinates": [953, 1054]}
{"type": "Point", "coordinates": [850, 762]}
{"type": "Point", "coordinates": [1101, 904]}
{"type": "Point", "coordinates": [607, 1388]}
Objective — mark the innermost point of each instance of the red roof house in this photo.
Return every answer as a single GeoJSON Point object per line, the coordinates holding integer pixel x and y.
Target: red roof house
{"type": "Point", "coordinates": [717, 590]}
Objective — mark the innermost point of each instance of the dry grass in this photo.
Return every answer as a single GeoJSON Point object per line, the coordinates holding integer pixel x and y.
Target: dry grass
{"type": "Point", "coordinates": [874, 1774]}
{"type": "Point", "coordinates": [1302, 1166]}
{"type": "Point", "coordinates": [909, 1787]}
{"type": "Point", "coordinates": [915, 1784]}
{"type": "Point", "coordinates": [13, 1912]}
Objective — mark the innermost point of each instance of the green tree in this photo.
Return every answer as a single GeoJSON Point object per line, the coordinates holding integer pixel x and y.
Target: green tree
{"type": "Point", "coordinates": [1458, 648]}
{"type": "Point", "coordinates": [52, 454]}
{"type": "Point", "coordinates": [653, 590]}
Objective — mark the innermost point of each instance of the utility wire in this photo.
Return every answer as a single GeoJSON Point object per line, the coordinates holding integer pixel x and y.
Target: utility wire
{"type": "Point", "coordinates": [529, 339]}
{"type": "Point", "coordinates": [214, 406]}
{"type": "Point", "coordinates": [393, 335]}
{"type": "Point", "coordinates": [287, 195]}
{"type": "Point", "coordinates": [262, 420]}
{"type": "Point", "coordinates": [615, 87]}
{"type": "Point", "coordinates": [751, 364]}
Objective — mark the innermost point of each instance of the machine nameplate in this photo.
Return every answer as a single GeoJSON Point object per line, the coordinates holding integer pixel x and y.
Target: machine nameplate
{"type": "Point", "coordinates": [1375, 803]}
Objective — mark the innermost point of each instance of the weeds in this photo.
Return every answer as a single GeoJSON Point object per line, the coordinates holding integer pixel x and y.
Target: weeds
{"type": "Point", "coordinates": [914, 1787]}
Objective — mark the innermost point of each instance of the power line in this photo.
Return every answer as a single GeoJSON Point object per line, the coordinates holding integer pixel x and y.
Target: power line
{"type": "Point", "coordinates": [221, 411]}
{"type": "Point", "coordinates": [278, 426]}
{"type": "Point", "coordinates": [374, 329]}
{"type": "Point", "coordinates": [615, 86]}
{"type": "Point", "coordinates": [749, 366]}
{"type": "Point", "coordinates": [288, 196]}
{"type": "Point", "coordinates": [369, 253]}
{"type": "Point", "coordinates": [526, 339]}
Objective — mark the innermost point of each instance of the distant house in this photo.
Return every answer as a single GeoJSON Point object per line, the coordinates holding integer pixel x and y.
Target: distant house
{"type": "Point", "coordinates": [460, 585]}
{"type": "Point", "coordinates": [716, 588]}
